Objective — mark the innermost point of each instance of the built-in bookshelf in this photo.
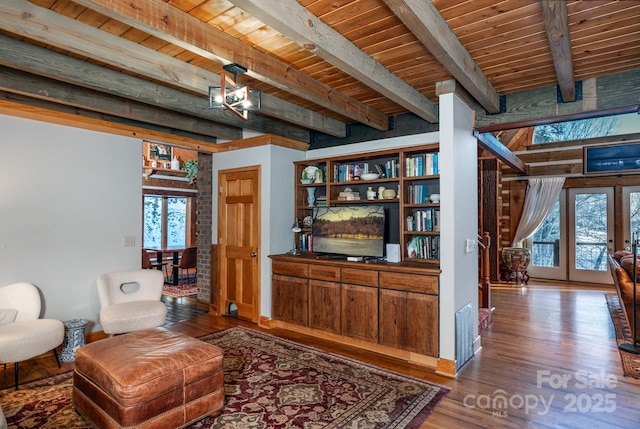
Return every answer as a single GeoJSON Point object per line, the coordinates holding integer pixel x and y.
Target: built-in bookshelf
{"type": "Point", "coordinates": [420, 207]}
{"type": "Point", "coordinates": [410, 176]}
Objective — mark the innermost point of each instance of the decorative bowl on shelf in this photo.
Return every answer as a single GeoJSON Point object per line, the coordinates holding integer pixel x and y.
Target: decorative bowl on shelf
{"type": "Point", "coordinates": [435, 198]}
{"type": "Point", "coordinates": [369, 176]}
{"type": "Point", "coordinates": [309, 173]}
{"type": "Point", "coordinates": [306, 181]}
{"type": "Point", "coordinates": [388, 194]}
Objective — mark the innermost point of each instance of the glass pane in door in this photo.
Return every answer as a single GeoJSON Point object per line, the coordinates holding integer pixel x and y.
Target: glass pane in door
{"type": "Point", "coordinates": [634, 213]}
{"type": "Point", "coordinates": [591, 231]}
{"type": "Point", "coordinates": [546, 240]}
{"type": "Point", "coordinates": [630, 216]}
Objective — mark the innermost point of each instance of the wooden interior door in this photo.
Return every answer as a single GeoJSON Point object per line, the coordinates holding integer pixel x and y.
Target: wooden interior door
{"type": "Point", "coordinates": [239, 241]}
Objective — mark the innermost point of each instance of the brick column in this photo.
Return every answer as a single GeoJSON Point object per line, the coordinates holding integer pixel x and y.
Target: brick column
{"type": "Point", "coordinates": [203, 226]}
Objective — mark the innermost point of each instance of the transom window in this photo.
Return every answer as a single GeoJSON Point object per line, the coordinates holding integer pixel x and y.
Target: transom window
{"type": "Point", "coordinates": [614, 125]}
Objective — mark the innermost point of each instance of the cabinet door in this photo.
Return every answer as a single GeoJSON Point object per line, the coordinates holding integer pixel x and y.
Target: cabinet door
{"type": "Point", "coordinates": [393, 318]}
{"type": "Point", "coordinates": [324, 305]}
{"type": "Point", "coordinates": [290, 299]}
{"type": "Point", "coordinates": [360, 312]}
{"type": "Point", "coordinates": [422, 323]}
{"type": "Point", "coordinates": [409, 321]}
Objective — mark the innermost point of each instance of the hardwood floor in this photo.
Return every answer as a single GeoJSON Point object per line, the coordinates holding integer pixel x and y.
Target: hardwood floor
{"type": "Point", "coordinates": [549, 360]}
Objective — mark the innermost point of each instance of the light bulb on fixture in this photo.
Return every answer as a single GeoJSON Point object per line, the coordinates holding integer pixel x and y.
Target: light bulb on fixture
{"type": "Point", "coordinates": [230, 95]}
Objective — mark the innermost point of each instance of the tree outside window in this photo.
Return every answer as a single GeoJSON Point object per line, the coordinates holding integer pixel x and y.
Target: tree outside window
{"type": "Point", "coordinates": [165, 222]}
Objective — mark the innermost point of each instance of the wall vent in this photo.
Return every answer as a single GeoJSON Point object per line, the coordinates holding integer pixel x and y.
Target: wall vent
{"type": "Point", "coordinates": [464, 335]}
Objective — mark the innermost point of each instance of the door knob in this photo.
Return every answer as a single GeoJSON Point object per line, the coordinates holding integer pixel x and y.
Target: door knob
{"type": "Point", "coordinates": [253, 254]}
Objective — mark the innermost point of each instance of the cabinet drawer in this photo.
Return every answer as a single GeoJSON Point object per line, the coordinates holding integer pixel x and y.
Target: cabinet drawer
{"type": "Point", "coordinates": [409, 282]}
{"type": "Point", "coordinates": [324, 272]}
{"type": "Point", "coordinates": [290, 269]}
{"type": "Point", "coordinates": [360, 277]}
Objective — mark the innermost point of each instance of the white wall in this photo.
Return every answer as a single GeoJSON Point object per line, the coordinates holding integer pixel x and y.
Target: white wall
{"type": "Point", "coordinates": [68, 197]}
{"type": "Point", "coordinates": [459, 208]}
{"type": "Point", "coordinates": [276, 195]}
{"type": "Point", "coordinates": [370, 146]}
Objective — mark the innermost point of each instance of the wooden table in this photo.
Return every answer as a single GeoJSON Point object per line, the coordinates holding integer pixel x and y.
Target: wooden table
{"type": "Point", "coordinates": [176, 260]}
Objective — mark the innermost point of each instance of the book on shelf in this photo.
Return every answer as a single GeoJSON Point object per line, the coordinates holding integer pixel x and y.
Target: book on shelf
{"type": "Point", "coordinates": [425, 220]}
{"type": "Point", "coordinates": [306, 241]}
{"type": "Point", "coordinates": [360, 169]}
{"type": "Point", "coordinates": [422, 165]}
{"type": "Point", "coordinates": [349, 172]}
{"type": "Point", "coordinates": [417, 194]}
{"type": "Point", "coordinates": [424, 247]}
{"type": "Point", "coordinates": [392, 168]}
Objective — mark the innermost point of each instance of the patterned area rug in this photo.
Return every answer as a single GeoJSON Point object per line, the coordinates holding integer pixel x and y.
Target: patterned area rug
{"type": "Point", "coordinates": [179, 291]}
{"type": "Point", "coordinates": [269, 383]}
{"type": "Point", "coordinates": [630, 361]}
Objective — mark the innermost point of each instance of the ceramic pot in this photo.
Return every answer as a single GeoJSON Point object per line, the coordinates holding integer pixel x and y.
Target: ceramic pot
{"type": "Point", "coordinates": [388, 194]}
{"type": "Point", "coordinates": [517, 259]}
{"type": "Point", "coordinates": [371, 194]}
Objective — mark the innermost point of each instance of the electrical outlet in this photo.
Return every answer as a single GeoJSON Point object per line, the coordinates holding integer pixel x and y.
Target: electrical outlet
{"type": "Point", "coordinates": [129, 241]}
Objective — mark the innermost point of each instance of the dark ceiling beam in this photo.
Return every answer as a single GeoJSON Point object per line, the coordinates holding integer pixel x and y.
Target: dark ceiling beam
{"type": "Point", "coordinates": [43, 62]}
{"type": "Point", "coordinates": [604, 95]}
{"type": "Point", "coordinates": [494, 146]}
{"type": "Point", "coordinates": [20, 82]}
{"type": "Point", "coordinates": [169, 23]}
{"type": "Point", "coordinates": [556, 22]}
{"type": "Point", "coordinates": [33, 22]}
{"type": "Point", "coordinates": [426, 23]}
{"type": "Point", "coordinates": [307, 30]}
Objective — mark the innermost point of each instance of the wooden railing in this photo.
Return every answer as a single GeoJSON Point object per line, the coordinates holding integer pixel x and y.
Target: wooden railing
{"type": "Point", "coordinates": [484, 243]}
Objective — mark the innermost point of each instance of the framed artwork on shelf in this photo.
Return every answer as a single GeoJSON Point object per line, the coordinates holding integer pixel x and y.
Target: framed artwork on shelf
{"type": "Point", "coordinates": [158, 152]}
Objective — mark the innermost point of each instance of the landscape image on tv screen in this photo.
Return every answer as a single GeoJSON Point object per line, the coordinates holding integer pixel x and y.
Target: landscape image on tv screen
{"type": "Point", "coordinates": [349, 230]}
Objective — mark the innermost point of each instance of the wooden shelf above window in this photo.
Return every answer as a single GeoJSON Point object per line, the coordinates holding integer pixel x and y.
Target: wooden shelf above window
{"type": "Point", "coordinates": [151, 171]}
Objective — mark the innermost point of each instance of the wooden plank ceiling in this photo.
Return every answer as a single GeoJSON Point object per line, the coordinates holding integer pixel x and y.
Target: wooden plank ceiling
{"type": "Point", "coordinates": [324, 64]}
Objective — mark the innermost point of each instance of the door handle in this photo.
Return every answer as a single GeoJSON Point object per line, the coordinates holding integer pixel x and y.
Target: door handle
{"type": "Point", "coordinates": [253, 254]}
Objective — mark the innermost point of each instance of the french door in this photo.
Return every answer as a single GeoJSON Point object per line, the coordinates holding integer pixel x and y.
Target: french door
{"type": "Point", "coordinates": [591, 233]}
{"type": "Point", "coordinates": [631, 217]}
{"type": "Point", "coordinates": [573, 242]}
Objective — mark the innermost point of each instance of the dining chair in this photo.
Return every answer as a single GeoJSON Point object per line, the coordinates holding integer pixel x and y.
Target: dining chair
{"type": "Point", "coordinates": [148, 264]}
{"type": "Point", "coordinates": [188, 261]}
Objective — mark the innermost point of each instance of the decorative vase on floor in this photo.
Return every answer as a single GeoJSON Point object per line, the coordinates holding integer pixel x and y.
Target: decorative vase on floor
{"type": "Point", "coordinates": [517, 260]}
{"type": "Point", "coordinates": [311, 196]}
{"type": "Point", "coordinates": [73, 339]}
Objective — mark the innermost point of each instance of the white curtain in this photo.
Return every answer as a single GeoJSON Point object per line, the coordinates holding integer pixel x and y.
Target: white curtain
{"type": "Point", "coordinates": [539, 199]}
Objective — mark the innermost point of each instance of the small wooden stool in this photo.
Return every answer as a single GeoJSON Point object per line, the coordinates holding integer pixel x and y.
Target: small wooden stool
{"type": "Point", "coordinates": [154, 378]}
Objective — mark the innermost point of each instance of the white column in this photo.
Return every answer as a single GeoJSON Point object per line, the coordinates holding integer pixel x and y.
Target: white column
{"type": "Point", "coordinates": [459, 205]}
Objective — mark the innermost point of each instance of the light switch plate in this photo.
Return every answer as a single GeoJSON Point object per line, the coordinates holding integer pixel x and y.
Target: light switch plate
{"type": "Point", "coordinates": [470, 245]}
{"type": "Point", "coordinates": [129, 241]}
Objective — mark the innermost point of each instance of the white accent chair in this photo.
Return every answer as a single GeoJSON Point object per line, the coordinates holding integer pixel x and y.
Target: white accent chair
{"type": "Point", "coordinates": [130, 301]}
{"type": "Point", "coordinates": [23, 335]}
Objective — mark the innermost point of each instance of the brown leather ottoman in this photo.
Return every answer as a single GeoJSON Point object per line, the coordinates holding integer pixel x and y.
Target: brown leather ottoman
{"type": "Point", "coordinates": [154, 378]}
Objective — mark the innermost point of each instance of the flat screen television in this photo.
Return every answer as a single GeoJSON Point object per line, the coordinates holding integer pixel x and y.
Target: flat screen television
{"type": "Point", "coordinates": [349, 230]}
